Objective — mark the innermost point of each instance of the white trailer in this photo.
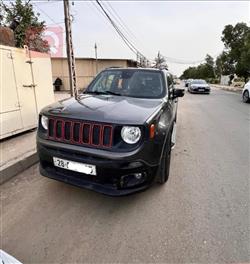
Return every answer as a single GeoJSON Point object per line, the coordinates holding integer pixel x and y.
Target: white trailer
{"type": "Point", "coordinates": [25, 87]}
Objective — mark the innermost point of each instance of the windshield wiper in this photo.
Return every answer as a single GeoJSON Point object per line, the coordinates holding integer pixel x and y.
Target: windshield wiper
{"type": "Point", "coordinates": [92, 92]}
{"type": "Point", "coordinates": [109, 92]}
{"type": "Point", "coordinates": [106, 92]}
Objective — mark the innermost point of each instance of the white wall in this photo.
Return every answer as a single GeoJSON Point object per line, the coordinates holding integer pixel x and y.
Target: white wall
{"type": "Point", "coordinates": [25, 88]}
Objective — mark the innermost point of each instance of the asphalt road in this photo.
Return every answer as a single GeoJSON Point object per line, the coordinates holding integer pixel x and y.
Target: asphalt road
{"type": "Point", "coordinates": [201, 215]}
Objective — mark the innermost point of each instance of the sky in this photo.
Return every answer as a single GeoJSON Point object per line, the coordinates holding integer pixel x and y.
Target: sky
{"type": "Point", "coordinates": [183, 30]}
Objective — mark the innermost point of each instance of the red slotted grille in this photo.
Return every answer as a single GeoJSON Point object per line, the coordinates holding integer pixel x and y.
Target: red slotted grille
{"type": "Point", "coordinates": [82, 133]}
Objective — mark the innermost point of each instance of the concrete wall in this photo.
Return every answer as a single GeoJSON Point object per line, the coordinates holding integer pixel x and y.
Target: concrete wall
{"type": "Point", "coordinates": [224, 79]}
{"type": "Point", "coordinates": [85, 69]}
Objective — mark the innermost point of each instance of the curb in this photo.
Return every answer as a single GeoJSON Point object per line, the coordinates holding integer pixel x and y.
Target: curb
{"type": "Point", "coordinates": [17, 167]}
{"type": "Point", "coordinates": [228, 89]}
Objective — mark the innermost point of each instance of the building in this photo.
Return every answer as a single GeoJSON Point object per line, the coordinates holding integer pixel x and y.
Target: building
{"type": "Point", "coordinates": [86, 69]}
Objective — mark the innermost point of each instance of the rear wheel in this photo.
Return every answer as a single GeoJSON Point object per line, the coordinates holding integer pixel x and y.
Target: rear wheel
{"type": "Point", "coordinates": [165, 161]}
{"type": "Point", "coordinates": [245, 97]}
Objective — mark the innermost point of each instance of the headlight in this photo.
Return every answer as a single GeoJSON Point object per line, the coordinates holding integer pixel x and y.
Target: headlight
{"type": "Point", "coordinates": [44, 122]}
{"type": "Point", "coordinates": [131, 135]}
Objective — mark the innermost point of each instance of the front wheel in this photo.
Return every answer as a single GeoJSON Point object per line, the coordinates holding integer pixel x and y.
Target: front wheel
{"type": "Point", "coordinates": [245, 97]}
{"type": "Point", "coordinates": [165, 161]}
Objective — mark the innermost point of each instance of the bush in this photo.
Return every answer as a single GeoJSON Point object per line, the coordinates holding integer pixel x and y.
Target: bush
{"type": "Point", "coordinates": [213, 80]}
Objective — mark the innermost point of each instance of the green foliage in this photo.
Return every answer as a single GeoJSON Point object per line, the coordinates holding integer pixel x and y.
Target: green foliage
{"type": "Point", "coordinates": [234, 59]}
{"type": "Point", "coordinates": [160, 61]}
{"type": "Point", "coordinates": [202, 71]}
{"type": "Point", "coordinates": [224, 64]}
{"type": "Point", "coordinates": [27, 28]}
{"type": "Point", "coordinates": [237, 48]}
{"type": "Point", "coordinates": [243, 64]}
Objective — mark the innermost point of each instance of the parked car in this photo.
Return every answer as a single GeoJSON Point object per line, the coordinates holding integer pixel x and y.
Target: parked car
{"type": "Point", "coordinates": [246, 93]}
{"type": "Point", "coordinates": [5, 258]}
{"type": "Point", "coordinates": [198, 86]}
{"type": "Point", "coordinates": [116, 138]}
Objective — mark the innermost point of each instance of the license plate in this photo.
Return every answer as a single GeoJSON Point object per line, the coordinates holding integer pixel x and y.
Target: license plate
{"type": "Point", "coordinates": [201, 90]}
{"type": "Point", "coordinates": [75, 166]}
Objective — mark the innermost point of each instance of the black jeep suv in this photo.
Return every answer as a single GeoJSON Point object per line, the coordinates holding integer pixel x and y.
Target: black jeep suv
{"type": "Point", "coordinates": [116, 137]}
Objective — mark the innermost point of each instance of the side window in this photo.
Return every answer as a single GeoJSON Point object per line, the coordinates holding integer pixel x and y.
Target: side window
{"type": "Point", "coordinates": [170, 83]}
{"type": "Point", "coordinates": [109, 81]}
{"type": "Point", "coordinates": [104, 84]}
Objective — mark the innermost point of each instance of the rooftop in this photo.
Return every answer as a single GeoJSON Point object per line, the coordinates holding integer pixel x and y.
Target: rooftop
{"type": "Point", "coordinates": [90, 58]}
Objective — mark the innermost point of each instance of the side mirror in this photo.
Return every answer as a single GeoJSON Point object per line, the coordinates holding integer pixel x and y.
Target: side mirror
{"type": "Point", "coordinates": [178, 93]}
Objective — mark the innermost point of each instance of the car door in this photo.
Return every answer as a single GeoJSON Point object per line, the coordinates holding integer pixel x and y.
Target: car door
{"type": "Point", "coordinates": [167, 112]}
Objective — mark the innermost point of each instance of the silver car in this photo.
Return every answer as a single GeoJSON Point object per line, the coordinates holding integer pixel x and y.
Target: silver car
{"type": "Point", "coordinates": [198, 86]}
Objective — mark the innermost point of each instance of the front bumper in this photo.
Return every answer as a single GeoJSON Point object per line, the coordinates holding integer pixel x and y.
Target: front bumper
{"type": "Point", "coordinates": [200, 90]}
{"type": "Point", "coordinates": [113, 171]}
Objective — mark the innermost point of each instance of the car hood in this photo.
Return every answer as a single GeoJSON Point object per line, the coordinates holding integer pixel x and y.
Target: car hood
{"type": "Point", "coordinates": [200, 85]}
{"type": "Point", "coordinates": [106, 108]}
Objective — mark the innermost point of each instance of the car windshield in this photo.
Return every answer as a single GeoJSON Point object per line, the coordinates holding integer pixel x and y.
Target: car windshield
{"type": "Point", "coordinates": [132, 83]}
{"type": "Point", "coordinates": [198, 82]}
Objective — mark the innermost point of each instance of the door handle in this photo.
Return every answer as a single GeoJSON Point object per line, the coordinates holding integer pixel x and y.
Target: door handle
{"type": "Point", "coordinates": [17, 104]}
{"type": "Point", "coordinates": [29, 86]}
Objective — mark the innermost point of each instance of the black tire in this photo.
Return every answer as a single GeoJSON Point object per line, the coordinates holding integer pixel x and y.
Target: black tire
{"type": "Point", "coordinates": [164, 167]}
{"type": "Point", "coordinates": [245, 97]}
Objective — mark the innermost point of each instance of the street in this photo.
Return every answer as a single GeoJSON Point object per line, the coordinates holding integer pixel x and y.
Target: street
{"type": "Point", "coordinates": [202, 214]}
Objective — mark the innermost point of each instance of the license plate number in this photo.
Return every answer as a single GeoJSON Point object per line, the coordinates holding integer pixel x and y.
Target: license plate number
{"type": "Point", "coordinates": [201, 90]}
{"type": "Point", "coordinates": [75, 166]}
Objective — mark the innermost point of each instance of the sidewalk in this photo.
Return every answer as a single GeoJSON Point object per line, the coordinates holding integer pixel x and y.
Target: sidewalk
{"type": "Point", "coordinates": [17, 153]}
{"type": "Point", "coordinates": [227, 88]}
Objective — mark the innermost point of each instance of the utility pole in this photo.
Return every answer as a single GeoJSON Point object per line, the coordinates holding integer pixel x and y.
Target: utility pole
{"type": "Point", "coordinates": [70, 51]}
{"type": "Point", "coordinates": [96, 60]}
{"type": "Point", "coordinates": [158, 60]}
{"type": "Point", "coordinates": [138, 59]}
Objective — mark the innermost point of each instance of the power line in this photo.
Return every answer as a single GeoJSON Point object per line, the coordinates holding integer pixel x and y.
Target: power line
{"type": "Point", "coordinates": [123, 24]}
{"type": "Point", "coordinates": [128, 43]}
{"type": "Point", "coordinates": [46, 14]}
{"type": "Point", "coordinates": [105, 18]}
{"type": "Point", "coordinates": [47, 2]}
{"type": "Point", "coordinates": [184, 61]}
{"type": "Point", "coordinates": [120, 20]}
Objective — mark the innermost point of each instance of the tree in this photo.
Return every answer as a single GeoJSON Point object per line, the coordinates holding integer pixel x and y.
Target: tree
{"type": "Point", "coordinates": [224, 64]}
{"type": "Point", "coordinates": [243, 65]}
{"type": "Point", "coordinates": [209, 71]}
{"type": "Point", "coordinates": [28, 30]}
{"type": "Point", "coordinates": [234, 38]}
{"type": "Point", "coordinates": [160, 61]}
{"type": "Point", "coordinates": [203, 71]}
{"type": "Point", "coordinates": [189, 73]}
{"type": "Point", "coordinates": [237, 48]}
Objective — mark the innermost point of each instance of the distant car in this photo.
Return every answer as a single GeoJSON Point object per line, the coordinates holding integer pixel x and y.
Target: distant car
{"type": "Point", "coordinates": [198, 86]}
{"type": "Point", "coordinates": [187, 82]}
{"type": "Point", "coordinates": [246, 93]}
